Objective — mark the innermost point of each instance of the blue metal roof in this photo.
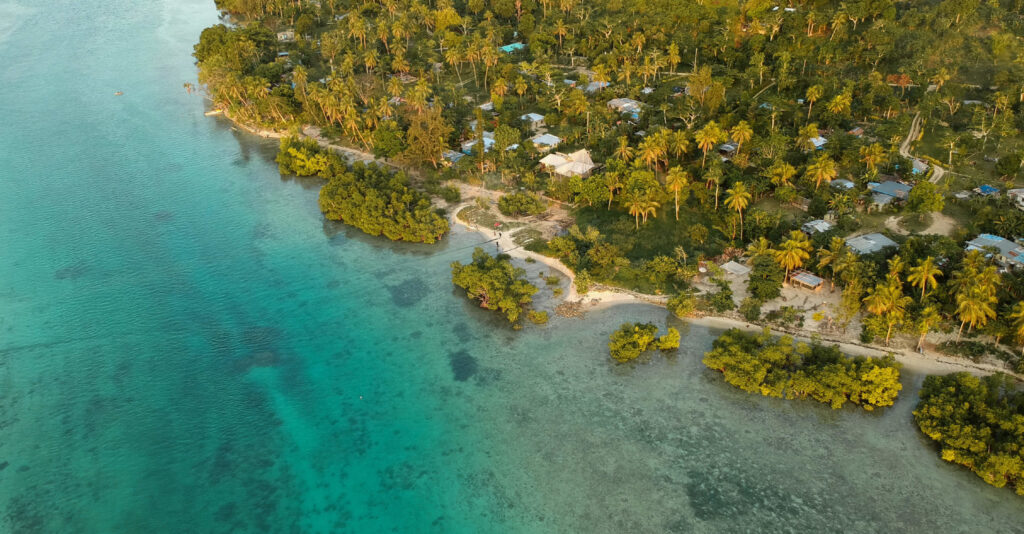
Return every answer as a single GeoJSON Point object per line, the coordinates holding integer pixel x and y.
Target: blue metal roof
{"type": "Point", "coordinates": [892, 189]}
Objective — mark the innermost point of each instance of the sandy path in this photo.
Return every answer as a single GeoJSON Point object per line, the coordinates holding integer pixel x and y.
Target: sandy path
{"type": "Point", "coordinates": [930, 363]}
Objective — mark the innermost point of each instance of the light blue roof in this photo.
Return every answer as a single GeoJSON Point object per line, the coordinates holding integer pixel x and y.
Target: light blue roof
{"type": "Point", "coordinates": [866, 244]}
{"type": "Point", "coordinates": [546, 140]}
{"type": "Point", "coordinates": [512, 47]}
{"type": "Point", "coordinates": [892, 189]}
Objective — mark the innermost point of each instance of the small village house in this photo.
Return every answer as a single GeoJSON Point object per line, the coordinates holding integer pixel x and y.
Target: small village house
{"type": "Point", "coordinates": [1007, 253]}
{"type": "Point", "coordinates": [869, 243]}
{"type": "Point", "coordinates": [567, 165]}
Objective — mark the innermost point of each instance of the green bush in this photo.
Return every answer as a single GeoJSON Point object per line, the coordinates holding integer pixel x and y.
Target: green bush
{"type": "Point", "coordinates": [683, 305]}
{"type": "Point", "coordinates": [378, 202]}
{"type": "Point", "coordinates": [759, 363]}
{"type": "Point", "coordinates": [582, 282]}
{"type": "Point", "coordinates": [516, 204]}
{"type": "Point", "coordinates": [766, 278]}
{"type": "Point", "coordinates": [750, 308]}
{"type": "Point", "coordinates": [978, 423]}
{"type": "Point", "coordinates": [538, 317]}
{"type": "Point", "coordinates": [495, 283]}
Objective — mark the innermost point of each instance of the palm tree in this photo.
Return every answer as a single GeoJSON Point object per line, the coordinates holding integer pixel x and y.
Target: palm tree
{"type": "Point", "coordinates": [738, 198]}
{"type": "Point", "coordinates": [814, 93]}
{"type": "Point", "coordinates": [560, 31]}
{"type": "Point", "coordinates": [678, 143]}
{"type": "Point", "coordinates": [706, 138]}
{"type": "Point", "coordinates": [636, 204]}
{"type": "Point", "coordinates": [1017, 315]}
{"type": "Point", "coordinates": [613, 182]}
{"type": "Point", "coordinates": [760, 247]}
{"type": "Point", "coordinates": [975, 307]}
{"type": "Point", "coordinates": [624, 151]}
{"type": "Point", "coordinates": [872, 155]}
{"type": "Point", "coordinates": [676, 180]}
{"type": "Point", "coordinates": [804, 136]}
{"type": "Point", "coordinates": [714, 176]}
{"type": "Point", "coordinates": [829, 257]}
{"type": "Point", "coordinates": [823, 169]}
{"type": "Point", "coordinates": [650, 152]}
{"type": "Point", "coordinates": [896, 266]}
{"type": "Point", "coordinates": [928, 320]}
{"type": "Point", "coordinates": [781, 173]}
{"type": "Point", "coordinates": [840, 104]}
{"type": "Point", "coordinates": [793, 252]}
{"type": "Point", "coordinates": [887, 301]}
{"type": "Point", "coordinates": [924, 274]}
{"type": "Point", "coordinates": [649, 207]}
{"type": "Point", "coordinates": [741, 133]}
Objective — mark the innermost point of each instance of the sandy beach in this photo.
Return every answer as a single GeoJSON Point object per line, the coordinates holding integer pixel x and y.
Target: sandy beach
{"type": "Point", "coordinates": [926, 363]}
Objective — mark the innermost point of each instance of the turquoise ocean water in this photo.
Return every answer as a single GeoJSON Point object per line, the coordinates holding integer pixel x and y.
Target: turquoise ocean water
{"type": "Point", "coordinates": [186, 346]}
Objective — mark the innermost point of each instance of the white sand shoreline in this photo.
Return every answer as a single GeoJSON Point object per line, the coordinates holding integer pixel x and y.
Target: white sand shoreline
{"type": "Point", "coordinates": [594, 300]}
{"type": "Point", "coordinates": [928, 363]}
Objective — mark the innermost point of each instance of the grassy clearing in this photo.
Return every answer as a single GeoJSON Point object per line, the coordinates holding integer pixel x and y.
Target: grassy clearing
{"type": "Point", "coordinates": [916, 223]}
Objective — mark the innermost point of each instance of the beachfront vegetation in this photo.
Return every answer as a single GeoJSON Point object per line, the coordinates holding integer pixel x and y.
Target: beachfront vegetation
{"type": "Point", "coordinates": [380, 202]}
{"type": "Point", "coordinates": [496, 284]}
{"type": "Point", "coordinates": [977, 423]}
{"type": "Point", "coordinates": [745, 121]}
{"type": "Point", "coordinates": [371, 198]}
{"type": "Point", "coordinates": [778, 367]}
{"type": "Point", "coordinates": [517, 204]}
{"type": "Point", "coordinates": [631, 340]}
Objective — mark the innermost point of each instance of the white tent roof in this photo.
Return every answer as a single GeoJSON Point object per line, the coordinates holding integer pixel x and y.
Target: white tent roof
{"type": "Point", "coordinates": [574, 168]}
{"type": "Point", "coordinates": [553, 160]}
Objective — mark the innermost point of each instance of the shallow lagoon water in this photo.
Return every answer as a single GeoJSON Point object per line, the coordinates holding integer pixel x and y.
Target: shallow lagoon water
{"type": "Point", "coordinates": [185, 345]}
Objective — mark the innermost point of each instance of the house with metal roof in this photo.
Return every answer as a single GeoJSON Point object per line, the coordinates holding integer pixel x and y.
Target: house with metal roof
{"type": "Point", "coordinates": [819, 142]}
{"type": "Point", "coordinates": [467, 147]}
{"type": "Point", "coordinates": [806, 279]}
{"type": "Point", "coordinates": [1017, 195]}
{"type": "Point", "coordinates": [816, 226]}
{"type": "Point", "coordinates": [889, 191]}
{"type": "Point", "coordinates": [534, 120]}
{"type": "Point", "coordinates": [511, 47]}
{"type": "Point", "coordinates": [735, 268]}
{"type": "Point", "coordinates": [453, 156]}
{"type": "Point", "coordinates": [626, 106]}
{"type": "Point", "coordinates": [869, 243]}
{"type": "Point", "coordinates": [546, 141]}
{"type": "Point", "coordinates": [594, 87]}
{"type": "Point", "coordinates": [843, 183]}
{"type": "Point", "coordinates": [1006, 252]}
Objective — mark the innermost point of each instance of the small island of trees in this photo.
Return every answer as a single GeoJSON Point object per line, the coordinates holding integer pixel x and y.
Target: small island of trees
{"type": "Point", "coordinates": [496, 284]}
{"type": "Point", "coordinates": [779, 368]}
{"type": "Point", "coordinates": [631, 340]}
{"type": "Point", "coordinates": [978, 423]}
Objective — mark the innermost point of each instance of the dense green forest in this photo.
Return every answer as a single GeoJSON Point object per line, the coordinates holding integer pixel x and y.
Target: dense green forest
{"type": "Point", "coordinates": [744, 120]}
{"type": "Point", "coordinates": [978, 423]}
{"type": "Point", "coordinates": [760, 363]}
